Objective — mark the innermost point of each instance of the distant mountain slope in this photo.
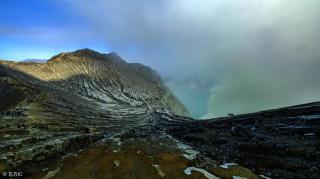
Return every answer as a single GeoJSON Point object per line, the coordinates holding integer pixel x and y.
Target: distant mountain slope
{"type": "Point", "coordinates": [84, 84]}
{"type": "Point", "coordinates": [35, 60]}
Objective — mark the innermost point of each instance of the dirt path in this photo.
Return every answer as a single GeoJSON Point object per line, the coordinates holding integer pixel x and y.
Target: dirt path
{"type": "Point", "coordinates": [132, 159]}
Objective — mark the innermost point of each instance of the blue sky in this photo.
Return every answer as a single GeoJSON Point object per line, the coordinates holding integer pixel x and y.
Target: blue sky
{"type": "Point", "coordinates": [41, 29]}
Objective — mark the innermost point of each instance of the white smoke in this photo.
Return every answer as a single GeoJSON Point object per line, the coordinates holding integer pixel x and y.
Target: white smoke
{"type": "Point", "coordinates": [263, 54]}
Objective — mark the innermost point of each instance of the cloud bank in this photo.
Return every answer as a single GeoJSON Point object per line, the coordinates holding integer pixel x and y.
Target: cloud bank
{"type": "Point", "coordinates": [260, 54]}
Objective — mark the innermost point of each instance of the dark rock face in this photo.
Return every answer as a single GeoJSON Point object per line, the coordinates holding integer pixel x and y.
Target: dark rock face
{"type": "Point", "coordinates": [282, 143]}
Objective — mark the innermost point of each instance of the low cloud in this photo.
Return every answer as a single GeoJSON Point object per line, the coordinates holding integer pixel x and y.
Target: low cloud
{"type": "Point", "coordinates": [260, 54]}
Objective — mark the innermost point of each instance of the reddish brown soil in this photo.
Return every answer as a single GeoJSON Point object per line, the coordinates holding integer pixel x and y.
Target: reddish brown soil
{"type": "Point", "coordinates": [98, 162]}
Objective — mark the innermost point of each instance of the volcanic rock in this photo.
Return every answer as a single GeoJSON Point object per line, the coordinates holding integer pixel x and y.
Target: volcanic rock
{"type": "Point", "coordinates": [85, 98]}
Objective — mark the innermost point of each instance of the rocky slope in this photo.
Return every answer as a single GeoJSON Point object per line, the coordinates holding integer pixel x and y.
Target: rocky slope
{"type": "Point", "coordinates": [101, 78]}
{"type": "Point", "coordinates": [74, 97]}
{"type": "Point", "coordinates": [279, 143]}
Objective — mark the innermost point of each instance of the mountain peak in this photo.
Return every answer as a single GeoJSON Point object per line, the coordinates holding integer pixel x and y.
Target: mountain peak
{"type": "Point", "coordinates": [92, 53]}
{"type": "Point", "coordinates": [87, 53]}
